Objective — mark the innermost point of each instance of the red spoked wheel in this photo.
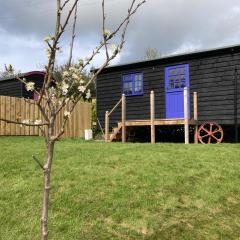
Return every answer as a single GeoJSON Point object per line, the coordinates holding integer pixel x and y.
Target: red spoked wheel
{"type": "Point", "coordinates": [210, 132]}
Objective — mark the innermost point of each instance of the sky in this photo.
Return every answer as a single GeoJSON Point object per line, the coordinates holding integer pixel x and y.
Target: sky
{"type": "Point", "coordinates": [172, 27]}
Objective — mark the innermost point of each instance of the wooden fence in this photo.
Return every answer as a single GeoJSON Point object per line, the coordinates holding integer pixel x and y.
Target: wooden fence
{"type": "Point", "coordinates": [19, 109]}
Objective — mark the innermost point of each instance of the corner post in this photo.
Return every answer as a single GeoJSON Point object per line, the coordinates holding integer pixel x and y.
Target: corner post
{"type": "Point", "coordinates": [195, 112]}
{"type": "Point", "coordinates": [106, 126]}
{"type": "Point", "coordinates": [123, 118]}
{"type": "Point", "coordinates": [186, 118]}
{"type": "Point", "coordinates": [152, 113]}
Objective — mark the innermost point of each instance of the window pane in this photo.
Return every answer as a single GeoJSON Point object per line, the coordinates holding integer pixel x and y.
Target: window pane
{"type": "Point", "coordinates": [171, 84]}
{"type": "Point", "coordinates": [181, 70]}
{"type": "Point", "coordinates": [183, 84]}
{"type": "Point", "coordinates": [127, 88]}
{"type": "Point", "coordinates": [127, 78]}
{"type": "Point", "coordinates": [178, 84]}
{"type": "Point", "coordinates": [182, 77]}
{"type": "Point", "coordinates": [138, 83]}
{"type": "Point", "coordinates": [173, 71]}
{"type": "Point", "coordinates": [176, 77]}
{"type": "Point", "coordinates": [138, 88]}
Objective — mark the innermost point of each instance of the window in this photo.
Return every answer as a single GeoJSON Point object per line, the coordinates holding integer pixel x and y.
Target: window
{"type": "Point", "coordinates": [132, 84]}
{"type": "Point", "coordinates": [176, 77]}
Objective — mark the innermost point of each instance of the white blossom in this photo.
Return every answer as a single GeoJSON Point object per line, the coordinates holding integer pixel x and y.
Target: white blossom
{"type": "Point", "coordinates": [26, 121]}
{"type": "Point", "coordinates": [67, 114]}
{"type": "Point", "coordinates": [81, 89]}
{"type": "Point", "coordinates": [38, 121]}
{"type": "Point", "coordinates": [72, 69]}
{"type": "Point", "coordinates": [65, 87]}
{"type": "Point", "coordinates": [113, 47]}
{"type": "Point", "coordinates": [60, 102]}
{"type": "Point", "coordinates": [88, 94]}
{"type": "Point", "coordinates": [52, 91]}
{"type": "Point", "coordinates": [47, 39]}
{"type": "Point", "coordinates": [81, 62]}
{"type": "Point", "coordinates": [65, 73]}
{"type": "Point", "coordinates": [75, 76]}
{"type": "Point", "coordinates": [9, 68]}
{"type": "Point", "coordinates": [106, 33]}
{"type": "Point", "coordinates": [30, 86]}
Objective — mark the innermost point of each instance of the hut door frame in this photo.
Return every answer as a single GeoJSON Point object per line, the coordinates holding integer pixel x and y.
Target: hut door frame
{"type": "Point", "coordinates": [176, 78]}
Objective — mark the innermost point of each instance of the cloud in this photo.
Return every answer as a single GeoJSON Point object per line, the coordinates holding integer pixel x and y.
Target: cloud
{"type": "Point", "coordinates": [182, 26]}
{"type": "Point", "coordinates": [174, 26]}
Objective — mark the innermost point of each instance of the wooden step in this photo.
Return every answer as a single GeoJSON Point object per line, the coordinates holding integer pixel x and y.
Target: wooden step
{"type": "Point", "coordinates": [113, 134]}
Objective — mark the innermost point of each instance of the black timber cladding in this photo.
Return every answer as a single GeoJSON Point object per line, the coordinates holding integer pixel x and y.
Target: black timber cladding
{"type": "Point", "coordinates": [10, 86]}
{"type": "Point", "coordinates": [212, 75]}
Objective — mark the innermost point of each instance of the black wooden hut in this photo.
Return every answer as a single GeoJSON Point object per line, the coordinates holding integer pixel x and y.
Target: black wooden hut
{"type": "Point", "coordinates": [213, 74]}
{"type": "Point", "coordinates": [10, 86]}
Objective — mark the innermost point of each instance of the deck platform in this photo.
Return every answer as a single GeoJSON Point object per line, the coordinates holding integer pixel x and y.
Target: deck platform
{"type": "Point", "coordinates": [152, 121]}
{"type": "Point", "coordinates": [159, 122]}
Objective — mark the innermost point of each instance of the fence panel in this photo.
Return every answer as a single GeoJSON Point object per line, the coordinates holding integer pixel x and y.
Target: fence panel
{"type": "Point", "coordinates": [19, 109]}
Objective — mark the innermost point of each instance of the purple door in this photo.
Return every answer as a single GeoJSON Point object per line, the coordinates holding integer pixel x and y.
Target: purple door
{"type": "Point", "coordinates": [176, 78]}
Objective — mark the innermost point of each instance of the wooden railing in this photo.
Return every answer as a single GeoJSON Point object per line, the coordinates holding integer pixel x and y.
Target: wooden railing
{"type": "Point", "coordinates": [152, 114]}
{"type": "Point", "coordinates": [152, 117]}
{"type": "Point", "coordinates": [186, 115]}
{"type": "Point", "coordinates": [107, 117]}
{"type": "Point", "coordinates": [195, 115]}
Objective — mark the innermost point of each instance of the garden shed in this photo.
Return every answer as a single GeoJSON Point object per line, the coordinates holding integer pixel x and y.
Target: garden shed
{"type": "Point", "coordinates": [10, 86]}
{"type": "Point", "coordinates": [213, 74]}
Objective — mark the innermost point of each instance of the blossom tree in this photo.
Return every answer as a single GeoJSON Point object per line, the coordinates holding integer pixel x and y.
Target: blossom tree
{"type": "Point", "coordinates": [71, 87]}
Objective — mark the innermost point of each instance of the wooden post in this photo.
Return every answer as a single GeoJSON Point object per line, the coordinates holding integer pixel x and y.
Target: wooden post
{"type": "Point", "coordinates": [195, 117]}
{"type": "Point", "coordinates": [186, 120]}
{"type": "Point", "coordinates": [152, 113]}
{"type": "Point", "coordinates": [123, 118]}
{"type": "Point", "coordinates": [106, 126]}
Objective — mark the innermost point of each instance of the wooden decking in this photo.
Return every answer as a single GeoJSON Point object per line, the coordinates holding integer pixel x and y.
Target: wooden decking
{"type": "Point", "coordinates": [152, 122]}
{"type": "Point", "coordinates": [158, 122]}
{"type": "Point", "coordinates": [135, 123]}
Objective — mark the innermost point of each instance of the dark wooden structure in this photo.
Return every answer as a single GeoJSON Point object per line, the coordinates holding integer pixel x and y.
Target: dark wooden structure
{"type": "Point", "coordinates": [213, 74]}
{"type": "Point", "coordinates": [10, 86]}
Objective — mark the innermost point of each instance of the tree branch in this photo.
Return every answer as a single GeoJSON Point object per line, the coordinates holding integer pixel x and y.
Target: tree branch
{"type": "Point", "coordinates": [131, 11]}
{"type": "Point", "coordinates": [29, 101]}
{"type": "Point", "coordinates": [24, 124]}
{"type": "Point", "coordinates": [73, 37]}
{"type": "Point", "coordinates": [59, 29]}
{"type": "Point", "coordinates": [104, 29]}
{"type": "Point", "coordinates": [38, 162]}
{"type": "Point", "coordinates": [126, 21]}
{"type": "Point", "coordinates": [64, 4]}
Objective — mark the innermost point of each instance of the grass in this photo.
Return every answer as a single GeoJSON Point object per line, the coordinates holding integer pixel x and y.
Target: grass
{"type": "Point", "coordinates": [115, 191]}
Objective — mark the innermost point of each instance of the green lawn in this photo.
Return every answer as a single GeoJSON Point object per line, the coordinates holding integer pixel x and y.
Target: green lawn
{"type": "Point", "coordinates": [115, 191]}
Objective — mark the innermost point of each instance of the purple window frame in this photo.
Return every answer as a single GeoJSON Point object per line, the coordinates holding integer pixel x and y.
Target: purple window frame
{"type": "Point", "coordinates": [132, 80]}
{"type": "Point", "coordinates": [167, 75]}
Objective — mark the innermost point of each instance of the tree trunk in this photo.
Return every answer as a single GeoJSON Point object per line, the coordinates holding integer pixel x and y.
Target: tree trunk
{"type": "Point", "coordinates": [47, 175]}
